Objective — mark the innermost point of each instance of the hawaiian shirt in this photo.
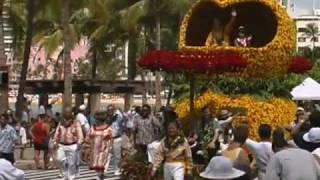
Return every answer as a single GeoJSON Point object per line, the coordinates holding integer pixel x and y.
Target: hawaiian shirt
{"type": "Point", "coordinates": [8, 137]}
{"type": "Point", "coordinates": [146, 129]}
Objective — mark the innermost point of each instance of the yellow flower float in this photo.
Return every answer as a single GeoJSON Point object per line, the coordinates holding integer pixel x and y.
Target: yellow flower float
{"type": "Point", "coordinates": [276, 112]}
{"type": "Point", "coordinates": [273, 33]}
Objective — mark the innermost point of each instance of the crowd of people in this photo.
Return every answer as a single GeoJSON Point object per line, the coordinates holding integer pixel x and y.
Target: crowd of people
{"type": "Point", "coordinates": [291, 152]}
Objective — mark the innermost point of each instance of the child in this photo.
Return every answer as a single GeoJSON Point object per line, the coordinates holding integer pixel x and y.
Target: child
{"type": "Point", "coordinates": [99, 139]}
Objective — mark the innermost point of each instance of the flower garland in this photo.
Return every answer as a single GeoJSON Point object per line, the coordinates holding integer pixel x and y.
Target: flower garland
{"type": "Point", "coordinates": [199, 62]}
{"type": "Point", "coordinates": [179, 140]}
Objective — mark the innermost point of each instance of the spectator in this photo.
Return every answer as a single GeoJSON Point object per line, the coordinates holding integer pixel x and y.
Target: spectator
{"type": "Point", "coordinates": [290, 163]}
{"type": "Point", "coordinates": [49, 110]}
{"type": "Point", "coordinates": [8, 138]}
{"type": "Point", "coordinates": [236, 153]}
{"type": "Point", "coordinates": [210, 125]}
{"type": "Point", "coordinates": [310, 146]}
{"type": "Point", "coordinates": [221, 168]}
{"type": "Point", "coordinates": [175, 151]}
{"type": "Point", "coordinates": [261, 150]}
{"type": "Point", "coordinates": [40, 133]}
{"type": "Point", "coordinates": [8, 171]}
{"type": "Point", "coordinates": [145, 130]}
{"type": "Point", "coordinates": [83, 119]}
{"type": "Point", "coordinates": [23, 138]}
{"type": "Point", "coordinates": [116, 121]}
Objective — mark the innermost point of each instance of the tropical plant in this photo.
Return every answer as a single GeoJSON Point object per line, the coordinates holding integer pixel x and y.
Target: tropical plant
{"type": "Point", "coordinates": [312, 32]}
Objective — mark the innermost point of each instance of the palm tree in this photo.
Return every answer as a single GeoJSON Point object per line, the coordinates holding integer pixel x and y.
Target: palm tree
{"type": "Point", "coordinates": [151, 13]}
{"type": "Point", "coordinates": [31, 4]}
{"type": "Point", "coordinates": [312, 32]}
{"type": "Point", "coordinates": [67, 99]}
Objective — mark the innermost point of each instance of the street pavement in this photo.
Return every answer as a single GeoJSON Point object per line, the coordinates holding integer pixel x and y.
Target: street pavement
{"type": "Point", "coordinates": [28, 166]}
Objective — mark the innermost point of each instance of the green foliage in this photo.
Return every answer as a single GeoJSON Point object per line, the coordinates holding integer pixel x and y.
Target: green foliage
{"type": "Point", "coordinates": [260, 88]}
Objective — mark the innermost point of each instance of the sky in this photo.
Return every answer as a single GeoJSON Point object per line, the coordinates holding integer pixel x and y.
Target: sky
{"type": "Point", "coordinates": [303, 7]}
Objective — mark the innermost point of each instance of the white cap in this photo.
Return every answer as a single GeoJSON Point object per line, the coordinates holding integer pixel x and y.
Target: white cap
{"type": "Point", "coordinates": [82, 107]}
{"type": "Point", "coordinates": [300, 109]}
{"type": "Point", "coordinates": [221, 168]}
{"type": "Point", "coordinates": [312, 136]}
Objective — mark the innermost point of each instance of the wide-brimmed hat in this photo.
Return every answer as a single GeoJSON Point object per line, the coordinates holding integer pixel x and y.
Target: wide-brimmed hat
{"type": "Point", "coordinates": [225, 113]}
{"type": "Point", "coordinates": [82, 107]}
{"type": "Point", "coordinates": [221, 168]}
{"type": "Point", "coordinates": [312, 136]}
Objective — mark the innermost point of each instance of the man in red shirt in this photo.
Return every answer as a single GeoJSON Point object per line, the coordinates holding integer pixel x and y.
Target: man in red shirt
{"type": "Point", "coordinates": [40, 133]}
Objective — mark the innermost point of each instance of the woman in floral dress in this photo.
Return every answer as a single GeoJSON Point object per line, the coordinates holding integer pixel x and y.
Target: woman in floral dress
{"type": "Point", "coordinates": [99, 140]}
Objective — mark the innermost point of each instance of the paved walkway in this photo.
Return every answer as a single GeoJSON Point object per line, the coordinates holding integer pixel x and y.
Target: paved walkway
{"type": "Point", "coordinates": [85, 174]}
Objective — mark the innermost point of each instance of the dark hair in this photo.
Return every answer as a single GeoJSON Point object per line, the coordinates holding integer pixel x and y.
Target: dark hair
{"type": "Point", "coordinates": [172, 122]}
{"type": "Point", "coordinates": [6, 116]}
{"type": "Point", "coordinates": [265, 131]}
{"type": "Point", "coordinates": [180, 139]}
{"type": "Point", "coordinates": [146, 106]}
{"type": "Point", "coordinates": [42, 116]}
{"type": "Point", "coordinates": [241, 133]}
{"type": "Point", "coordinates": [24, 124]}
{"type": "Point", "coordinates": [278, 139]}
{"type": "Point", "coordinates": [137, 109]}
{"type": "Point", "coordinates": [314, 119]}
{"type": "Point", "coordinates": [100, 116]}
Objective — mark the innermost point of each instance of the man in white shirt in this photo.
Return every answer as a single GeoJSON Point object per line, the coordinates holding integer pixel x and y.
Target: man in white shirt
{"type": "Point", "coordinates": [85, 128]}
{"type": "Point", "coordinates": [261, 150]}
{"type": "Point", "coordinates": [290, 163]}
{"type": "Point", "coordinates": [83, 119]}
{"type": "Point", "coordinates": [8, 171]}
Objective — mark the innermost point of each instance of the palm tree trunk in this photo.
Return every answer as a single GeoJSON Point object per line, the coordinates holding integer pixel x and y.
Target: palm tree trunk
{"type": "Point", "coordinates": [132, 68]}
{"type": "Point", "coordinates": [26, 55]}
{"type": "Point", "coordinates": [145, 90]}
{"type": "Point", "coordinates": [93, 98]}
{"type": "Point", "coordinates": [158, 75]}
{"type": "Point", "coordinates": [67, 100]}
{"type": "Point", "coordinates": [170, 93]}
{"type": "Point", "coordinates": [5, 85]}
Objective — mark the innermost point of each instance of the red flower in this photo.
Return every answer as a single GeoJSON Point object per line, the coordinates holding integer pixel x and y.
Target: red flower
{"type": "Point", "coordinates": [300, 65]}
{"type": "Point", "coordinates": [197, 62]}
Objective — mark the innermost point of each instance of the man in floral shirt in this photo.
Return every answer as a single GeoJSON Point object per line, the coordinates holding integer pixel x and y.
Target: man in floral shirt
{"type": "Point", "coordinates": [146, 128]}
{"type": "Point", "coordinates": [8, 138]}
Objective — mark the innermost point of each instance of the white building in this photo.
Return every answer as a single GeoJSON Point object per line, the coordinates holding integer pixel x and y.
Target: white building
{"type": "Point", "coordinates": [304, 12]}
{"type": "Point", "coordinates": [303, 40]}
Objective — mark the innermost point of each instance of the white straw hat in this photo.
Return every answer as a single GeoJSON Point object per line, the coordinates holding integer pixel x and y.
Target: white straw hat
{"type": "Point", "coordinates": [82, 107]}
{"type": "Point", "coordinates": [221, 168]}
{"type": "Point", "coordinates": [312, 136]}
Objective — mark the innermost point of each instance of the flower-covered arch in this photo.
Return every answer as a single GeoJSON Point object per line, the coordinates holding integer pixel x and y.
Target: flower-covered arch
{"type": "Point", "coordinates": [274, 34]}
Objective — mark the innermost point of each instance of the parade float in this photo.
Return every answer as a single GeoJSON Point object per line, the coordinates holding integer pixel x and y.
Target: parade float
{"type": "Point", "coordinates": [271, 53]}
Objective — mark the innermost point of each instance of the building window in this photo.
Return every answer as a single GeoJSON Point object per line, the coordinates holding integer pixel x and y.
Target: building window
{"type": "Point", "coordinates": [301, 39]}
{"type": "Point", "coordinates": [316, 39]}
{"type": "Point", "coordinates": [302, 30]}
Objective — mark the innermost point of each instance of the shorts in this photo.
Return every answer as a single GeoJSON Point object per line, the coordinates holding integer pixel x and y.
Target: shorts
{"type": "Point", "coordinates": [41, 147]}
{"type": "Point", "coordinates": [7, 156]}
